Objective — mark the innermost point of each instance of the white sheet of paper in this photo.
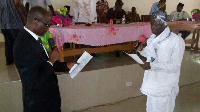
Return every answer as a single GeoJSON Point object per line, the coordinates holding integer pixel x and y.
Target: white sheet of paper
{"type": "Point", "coordinates": [136, 58]}
{"type": "Point", "coordinates": [83, 60]}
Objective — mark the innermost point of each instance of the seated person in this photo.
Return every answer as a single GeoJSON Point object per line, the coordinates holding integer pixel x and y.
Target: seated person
{"type": "Point", "coordinates": [180, 15]}
{"type": "Point", "coordinates": [68, 11]}
{"type": "Point", "coordinates": [133, 14]}
{"type": "Point", "coordinates": [116, 13]}
{"type": "Point", "coordinates": [102, 7]}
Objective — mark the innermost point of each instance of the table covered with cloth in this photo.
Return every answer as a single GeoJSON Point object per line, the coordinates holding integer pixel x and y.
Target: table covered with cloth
{"type": "Point", "coordinates": [100, 35]}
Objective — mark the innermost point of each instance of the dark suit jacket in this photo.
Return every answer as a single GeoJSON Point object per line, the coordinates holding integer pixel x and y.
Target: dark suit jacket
{"type": "Point", "coordinates": [39, 82]}
{"type": "Point", "coordinates": [114, 14]}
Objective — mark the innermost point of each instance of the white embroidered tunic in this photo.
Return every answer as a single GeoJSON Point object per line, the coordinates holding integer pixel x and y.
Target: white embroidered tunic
{"type": "Point", "coordinates": [163, 77]}
{"type": "Point", "coordinates": [84, 10]}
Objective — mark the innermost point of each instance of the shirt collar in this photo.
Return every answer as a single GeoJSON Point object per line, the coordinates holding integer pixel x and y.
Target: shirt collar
{"type": "Point", "coordinates": [33, 34]}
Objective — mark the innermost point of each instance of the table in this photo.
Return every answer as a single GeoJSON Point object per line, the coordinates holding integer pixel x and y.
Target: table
{"type": "Point", "coordinates": [192, 26]}
{"type": "Point", "coordinates": [108, 37]}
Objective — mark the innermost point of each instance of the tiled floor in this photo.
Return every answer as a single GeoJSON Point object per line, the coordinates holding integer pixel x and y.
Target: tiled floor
{"type": "Point", "coordinates": [8, 73]}
{"type": "Point", "coordinates": [188, 99]}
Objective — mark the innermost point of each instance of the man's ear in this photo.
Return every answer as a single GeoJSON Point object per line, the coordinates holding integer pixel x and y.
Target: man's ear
{"type": "Point", "coordinates": [36, 22]}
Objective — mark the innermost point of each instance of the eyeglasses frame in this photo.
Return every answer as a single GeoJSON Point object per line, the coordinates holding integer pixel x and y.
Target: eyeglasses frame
{"type": "Point", "coordinates": [47, 25]}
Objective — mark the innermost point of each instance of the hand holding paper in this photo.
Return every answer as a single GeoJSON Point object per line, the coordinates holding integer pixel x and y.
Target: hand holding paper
{"type": "Point", "coordinates": [136, 58]}
{"type": "Point", "coordinates": [83, 60]}
{"type": "Point", "coordinates": [71, 64]}
{"type": "Point", "coordinates": [146, 66]}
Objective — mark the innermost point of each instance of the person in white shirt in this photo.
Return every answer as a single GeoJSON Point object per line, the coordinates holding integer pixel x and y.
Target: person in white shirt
{"type": "Point", "coordinates": [180, 15]}
{"type": "Point", "coordinates": [85, 11]}
{"type": "Point", "coordinates": [164, 53]}
{"type": "Point", "coordinates": [41, 3]}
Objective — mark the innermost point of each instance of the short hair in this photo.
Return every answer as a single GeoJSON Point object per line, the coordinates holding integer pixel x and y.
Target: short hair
{"type": "Point", "coordinates": [36, 12]}
{"type": "Point", "coordinates": [133, 8]}
{"type": "Point", "coordinates": [180, 4]}
{"type": "Point", "coordinates": [160, 16]}
{"type": "Point", "coordinates": [68, 7]}
{"type": "Point", "coordinates": [119, 2]}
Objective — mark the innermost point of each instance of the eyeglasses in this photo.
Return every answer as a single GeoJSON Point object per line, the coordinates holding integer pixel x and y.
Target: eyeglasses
{"type": "Point", "coordinates": [47, 25]}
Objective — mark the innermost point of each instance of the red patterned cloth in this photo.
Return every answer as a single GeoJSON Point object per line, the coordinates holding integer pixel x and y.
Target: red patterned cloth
{"type": "Point", "coordinates": [102, 7]}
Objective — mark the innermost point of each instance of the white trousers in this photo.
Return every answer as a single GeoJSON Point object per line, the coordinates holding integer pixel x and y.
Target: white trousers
{"type": "Point", "coordinates": [161, 104]}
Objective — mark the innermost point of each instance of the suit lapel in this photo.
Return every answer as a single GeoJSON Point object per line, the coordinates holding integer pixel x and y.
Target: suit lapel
{"type": "Point", "coordinates": [39, 50]}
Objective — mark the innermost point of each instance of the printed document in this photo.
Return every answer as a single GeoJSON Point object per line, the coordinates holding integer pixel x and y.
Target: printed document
{"type": "Point", "coordinates": [82, 61]}
{"type": "Point", "coordinates": [136, 58]}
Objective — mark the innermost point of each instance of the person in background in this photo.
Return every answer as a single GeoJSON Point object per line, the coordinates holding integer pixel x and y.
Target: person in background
{"type": "Point", "coordinates": [162, 6]}
{"type": "Point", "coordinates": [12, 19]}
{"type": "Point", "coordinates": [85, 11]}
{"type": "Point", "coordinates": [68, 11]}
{"type": "Point", "coordinates": [155, 7]}
{"type": "Point", "coordinates": [133, 14]}
{"type": "Point", "coordinates": [102, 7]}
{"type": "Point", "coordinates": [180, 15]}
{"type": "Point", "coordinates": [24, 9]}
{"type": "Point", "coordinates": [42, 3]}
{"type": "Point", "coordinates": [164, 54]}
{"type": "Point", "coordinates": [116, 13]}
{"type": "Point", "coordinates": [37, 67]}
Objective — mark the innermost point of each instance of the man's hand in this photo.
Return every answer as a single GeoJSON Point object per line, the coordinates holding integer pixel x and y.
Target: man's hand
{"type": "Point", "coordinates": [70, 64]}
{"type": "Point", "coordinates": [54, 56]}
{"type": "Point", "coordinates": [140, 48]}
{"type": "Point", "coordinates": [146, 66]}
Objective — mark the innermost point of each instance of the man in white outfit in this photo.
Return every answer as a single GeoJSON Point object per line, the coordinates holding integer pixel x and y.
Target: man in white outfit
{"type": "Point", "coordinates": [164, 53]}
{"type": "Point", "coordinates": [84, 11]}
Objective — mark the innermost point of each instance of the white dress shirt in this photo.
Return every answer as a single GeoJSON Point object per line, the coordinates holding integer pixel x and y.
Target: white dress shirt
{"type": "Point", "coordinates": [179, 15]}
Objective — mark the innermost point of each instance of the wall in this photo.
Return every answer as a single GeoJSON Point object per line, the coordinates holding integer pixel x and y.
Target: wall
{"type": "Point", "coordinates": [143, 6]}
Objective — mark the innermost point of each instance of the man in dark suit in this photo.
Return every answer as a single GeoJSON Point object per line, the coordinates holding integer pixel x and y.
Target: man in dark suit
{"type": "Point", "coordinates": [36, 67]}
{"type": "Point", "coordinates": [116, 13]}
